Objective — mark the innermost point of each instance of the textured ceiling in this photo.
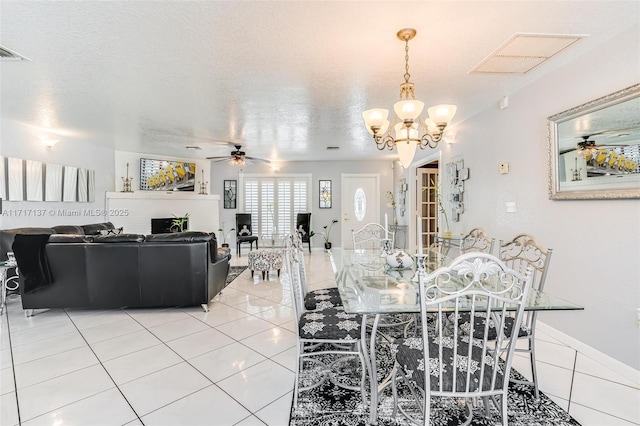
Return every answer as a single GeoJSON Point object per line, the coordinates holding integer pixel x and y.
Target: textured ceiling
{"type": "Point", "coordinates": [285, 79]}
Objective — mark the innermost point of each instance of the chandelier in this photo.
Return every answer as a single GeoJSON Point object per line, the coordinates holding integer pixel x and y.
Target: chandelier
{"type": "Point", "coordinates": [410, 129]}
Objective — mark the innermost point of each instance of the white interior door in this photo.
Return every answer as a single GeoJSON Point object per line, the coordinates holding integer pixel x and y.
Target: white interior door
{"type": "Point", "coordinates": [360, 203]}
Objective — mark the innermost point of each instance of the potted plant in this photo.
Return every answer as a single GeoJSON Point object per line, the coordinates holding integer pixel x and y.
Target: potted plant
{"type": "Point", "coordinates": [179, 223]}
{"type": "Point", "coordinates": [326, 233]}
{"type": "Point", "coordinates": [225, 235]}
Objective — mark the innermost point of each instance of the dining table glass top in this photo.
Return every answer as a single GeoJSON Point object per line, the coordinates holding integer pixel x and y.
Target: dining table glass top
{"type": "Point", "coordinates": [368, 286]}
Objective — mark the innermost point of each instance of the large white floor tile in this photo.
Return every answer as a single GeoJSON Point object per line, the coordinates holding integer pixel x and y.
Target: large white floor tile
{"type": "Point", "coordinates": [209, 406]}
{"type": "Point", "coordinates": [42, 332]}
{"type": "Point", "coordinates": [276, 413]}
{"type": "Point", "coordinates": [47, 347]}
{"type": "Point", "coordinates": [586, 365]}
{"type": "Point", "coordinates": [8, 409]}
{"type": "Point", "coordinates": [6, 359]}
{"type": "Point", "coordinates": [123, 345]}
{"type": "Point", "coordinates": [111, 330]}
{"type": "Point", "coordinates": [180, 328]}
{"type": "Point", "coordinates": [163, 387]}
{"type": "Point", "coordinates": [7, 384]}
{"type": "Point", "coordinates": [256, 306]}
{"type": "Point", "coordinates": [258, 386]}
{"type": "Point", "coordinates": [551, 379]}
{"type": "Point", "coordinates": [222, 315]}
{"type": "Point", "coordinates": [226, 361]}
{"type": "Point", "coordinates": [19, 321]}
{"type": "Point", "coordinates": [199, 343]}
{"type": "Point", "coordinates": [276, 314]}
{"type": "Point", "coordinates": [589, 417]}
{"type": "Point", "coordinates": [107, 408]}
{"type": "Point", "coordinates": [137, 364]}
{"type": "Point", "coordinates": [287, 359]}
{"type": "Point", "coordinates": [559, 355]}
{"type": "Point", "coordinates": [621, 401]}
{"type": "Point", "coordinates": [86, 318]}
{"type": "Point", "coordinates": [244, 327]}
{"type": "Point", "coordinates": [271, 342]}
{"type": "Point", "coordinates": [235, 298]}
{"type": "Point", "coordinates": [250, 421]}
{"type": "Point", "coordinates": [42, 369]}
{"type": "Point", "coordinates": [153, 317]}
{"type": "Point", "coordinates": [55, 393]}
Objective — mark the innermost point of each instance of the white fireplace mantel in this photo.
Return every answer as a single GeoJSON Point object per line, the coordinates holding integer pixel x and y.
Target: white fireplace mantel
{"type": "Point", "coordinates": [134, 210]}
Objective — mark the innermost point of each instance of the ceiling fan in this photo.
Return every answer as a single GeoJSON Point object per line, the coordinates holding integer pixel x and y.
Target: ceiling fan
{"type": "Point", "coordinates": [587, 145]}
{"type": "Point", "coordinates": [237, 157]}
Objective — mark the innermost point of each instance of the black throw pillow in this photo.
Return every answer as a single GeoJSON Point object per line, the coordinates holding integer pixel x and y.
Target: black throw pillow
{"type": "Point", "coordinates": [29, 250]}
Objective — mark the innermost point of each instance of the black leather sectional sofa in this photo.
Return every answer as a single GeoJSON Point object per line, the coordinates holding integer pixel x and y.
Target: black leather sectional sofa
{"type": "Point", "coordinates": [76, 267]}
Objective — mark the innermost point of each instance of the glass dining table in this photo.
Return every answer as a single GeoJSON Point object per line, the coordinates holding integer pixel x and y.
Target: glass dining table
{"type": "Point", "coordinates": [369, 287]}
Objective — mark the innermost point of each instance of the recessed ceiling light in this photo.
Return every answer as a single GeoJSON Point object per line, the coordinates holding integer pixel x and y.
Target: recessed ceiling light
{"type": "Point", "coordinates": [193, 148]}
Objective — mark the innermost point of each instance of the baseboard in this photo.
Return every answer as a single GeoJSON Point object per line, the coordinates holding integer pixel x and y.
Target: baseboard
{"type": "Point", "coordinates": [589, 351]}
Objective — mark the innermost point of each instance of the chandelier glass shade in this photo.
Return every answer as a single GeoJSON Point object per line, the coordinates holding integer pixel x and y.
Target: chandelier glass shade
{"type": "Point", "coordinates": [407, 130]}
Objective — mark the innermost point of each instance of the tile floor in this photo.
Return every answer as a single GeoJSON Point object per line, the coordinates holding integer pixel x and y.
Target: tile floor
{"type": "Point", "coordinates": [231, 366]}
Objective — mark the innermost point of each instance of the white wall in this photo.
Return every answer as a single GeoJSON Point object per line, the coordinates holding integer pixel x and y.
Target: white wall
{"type": "Point", "coordinates": [21, 141]}
{"type": "Point", "coordinates": [320, 170]}
{"type": "Point", "coordinates": [596, 244]}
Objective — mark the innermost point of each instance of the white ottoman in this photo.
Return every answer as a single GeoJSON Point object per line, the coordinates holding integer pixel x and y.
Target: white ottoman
{"type": "Point", "coordinates": [265, 261]}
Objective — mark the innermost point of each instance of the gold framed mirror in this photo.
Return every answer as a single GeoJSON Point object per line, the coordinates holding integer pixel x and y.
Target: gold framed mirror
{"type": "Point", "coordinates": [594, 149]}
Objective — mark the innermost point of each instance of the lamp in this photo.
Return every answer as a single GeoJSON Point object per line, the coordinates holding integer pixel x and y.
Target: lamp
{"type": "Point", "coordinates": [411, 130]}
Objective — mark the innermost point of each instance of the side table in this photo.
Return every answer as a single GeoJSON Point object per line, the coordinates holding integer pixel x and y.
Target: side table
{"type": "Point", "coordinates": [4, 268]}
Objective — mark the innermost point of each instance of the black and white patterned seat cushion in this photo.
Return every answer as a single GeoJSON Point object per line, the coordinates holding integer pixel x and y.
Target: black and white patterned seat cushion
{"type": "Point", "coordinates": [319, 300]}
{"type": "Point", "coordinates": [479, 325]}
{"type": "Point", "coordinates": [330, 324]}
{"type": "Point", "coordinates": [409, 355]}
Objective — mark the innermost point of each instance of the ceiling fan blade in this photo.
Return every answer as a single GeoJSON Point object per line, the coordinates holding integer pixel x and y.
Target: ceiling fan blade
{"type": "Point", "coordinates": [257, 159]}
{"type": "Point", "coordinates": [216, 159]}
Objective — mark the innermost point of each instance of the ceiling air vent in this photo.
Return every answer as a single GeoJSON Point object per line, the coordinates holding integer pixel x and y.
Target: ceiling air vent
{"type": "Point", "coordinates": [331, 148]}
{"type": "Point", "coordinates": [10, 55]}
{"type": "Point", "coordinates": [523, 52]}
{"type": "Point", "coordinates": [193, 148]}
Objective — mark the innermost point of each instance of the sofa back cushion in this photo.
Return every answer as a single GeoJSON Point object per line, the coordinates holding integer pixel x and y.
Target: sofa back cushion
{"type": "Point", "coordinates": [71, 238]}
{"type": "Point", "coordinates": [119, 238]}
{"type": "Point", "coordinates": [69, 229]}
{"type": "Point", "coordinates": [179, 237]}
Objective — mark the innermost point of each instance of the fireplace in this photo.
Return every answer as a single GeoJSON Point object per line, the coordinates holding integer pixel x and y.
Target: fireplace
{"type": "Point", "coordinates": [164, 225]}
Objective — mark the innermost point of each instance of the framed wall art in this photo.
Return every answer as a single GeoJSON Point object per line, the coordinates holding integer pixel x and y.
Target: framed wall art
{"type": "Point", "coordinates": [230, 192]}
{"type": "Point", "coordinates": [325, 194]}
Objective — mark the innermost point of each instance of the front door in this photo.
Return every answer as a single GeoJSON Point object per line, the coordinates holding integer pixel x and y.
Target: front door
{"type": "Point", "coordinates": [360, 204]}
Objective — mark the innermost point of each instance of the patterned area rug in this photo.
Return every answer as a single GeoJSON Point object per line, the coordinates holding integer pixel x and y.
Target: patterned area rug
{"type": "Point", "coordinates": [234, 271]}
{"type": "Point", "coordinates": [332, 405]}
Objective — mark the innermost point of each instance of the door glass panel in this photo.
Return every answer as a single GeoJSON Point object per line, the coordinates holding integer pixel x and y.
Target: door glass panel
{"type": "Point", "coordinates": [359, 204]}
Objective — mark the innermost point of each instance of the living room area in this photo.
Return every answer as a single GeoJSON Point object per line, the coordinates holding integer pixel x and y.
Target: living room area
{"type": "Point", "coordinates": [257, 107]}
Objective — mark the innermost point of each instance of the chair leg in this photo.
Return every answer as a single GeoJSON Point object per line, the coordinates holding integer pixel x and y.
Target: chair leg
{"type": "Point", "coordinates": [504, 409]}
{"type": "Point", "coordinates": [534, 374]}
{"type": "Point", "coordinates": [298, 368]}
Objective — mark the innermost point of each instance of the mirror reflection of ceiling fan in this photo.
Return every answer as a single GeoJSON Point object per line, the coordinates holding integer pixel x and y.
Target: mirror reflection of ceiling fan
{"type": "Point", "coordinates": [589, 146]}
{"type": "Point", "coordinates": [237, 157]}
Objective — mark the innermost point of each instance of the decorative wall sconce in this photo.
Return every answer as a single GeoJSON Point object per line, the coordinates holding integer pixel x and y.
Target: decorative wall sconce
{"type": "Point", "coordinates": [126, 182]}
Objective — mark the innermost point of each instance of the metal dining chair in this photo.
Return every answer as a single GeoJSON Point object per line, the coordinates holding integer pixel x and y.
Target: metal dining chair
{"type": "Point", "coordinates": [321, 333]}
{"type": "Point", "coordinates": [477, 240]}
{"type": "Point", "coordinates": [370, 237]}
{"type": "Point", "coordinates": [448, 362]}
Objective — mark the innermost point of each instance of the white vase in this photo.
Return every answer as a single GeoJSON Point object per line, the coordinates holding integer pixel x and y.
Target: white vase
{"type": "Point", "coordinates": [399, 260]}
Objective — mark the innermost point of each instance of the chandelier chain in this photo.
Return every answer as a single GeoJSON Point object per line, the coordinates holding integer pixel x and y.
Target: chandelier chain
{"type": "Point", "coordinates": [406, 62]}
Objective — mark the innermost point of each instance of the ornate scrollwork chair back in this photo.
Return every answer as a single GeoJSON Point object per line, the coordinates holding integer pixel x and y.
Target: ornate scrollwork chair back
{"type": "Point", "coordinates": [477, 240]}
{"type": "Point", "coordinates": [370, 237]}
{"type": "Point", "coordinates": [459, 365]}
{"type": "Point", "coordinates": [521, 253]}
